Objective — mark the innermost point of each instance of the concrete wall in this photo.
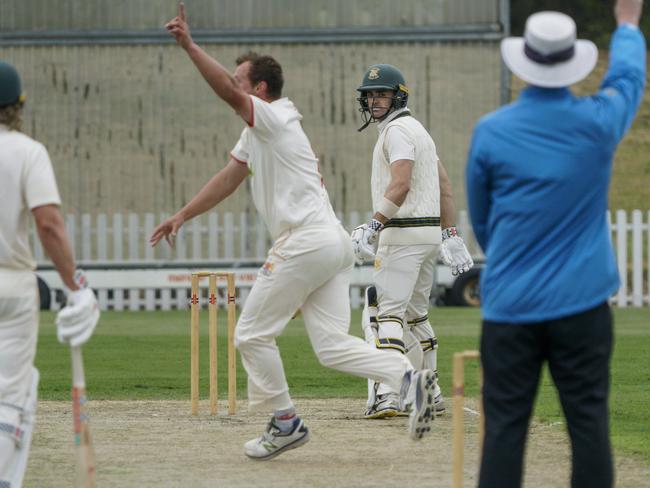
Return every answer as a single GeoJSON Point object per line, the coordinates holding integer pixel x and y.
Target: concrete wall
{"type": "Point", "coordinates": [135, 128]}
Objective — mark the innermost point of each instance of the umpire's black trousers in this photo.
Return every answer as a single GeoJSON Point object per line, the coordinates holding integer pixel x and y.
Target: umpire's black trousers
{"type": "Point", "coordinates": [578, 350]}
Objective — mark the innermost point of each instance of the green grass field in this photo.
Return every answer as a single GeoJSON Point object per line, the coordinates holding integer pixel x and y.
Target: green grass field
{"type": "Point", "coordinates": [145, 355]}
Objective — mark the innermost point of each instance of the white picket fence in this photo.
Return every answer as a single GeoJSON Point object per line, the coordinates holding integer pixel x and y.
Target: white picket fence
{"type": "Point", "coordinates": [128, 274]}
{"type": "Point", "coordinates": [227, 239]}
{"type": "Point", "coordinates": [632, 234]}
{"type": "Point", "coordinates": [223, 237]}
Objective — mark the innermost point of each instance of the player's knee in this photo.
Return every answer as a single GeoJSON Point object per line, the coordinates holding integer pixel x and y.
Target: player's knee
{"type": "Point", "coordinates": [327, 360]}
{"type": "Point", "coordinates": [247, 339]}
{"type": "Point", "coordinates": [390, 326]}
{"type": "Point", "coordinates": [238, 339]}
{"type": "Point", "coordinates": [329, 357]}
{"type": "Point", "coordinates": [16, 427]}
{"type": "Point", "coordinates": [241, 341]}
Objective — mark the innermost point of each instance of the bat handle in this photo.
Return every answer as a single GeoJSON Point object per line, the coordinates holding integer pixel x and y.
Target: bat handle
{"type": "Point", "coordinates": [78, 377]}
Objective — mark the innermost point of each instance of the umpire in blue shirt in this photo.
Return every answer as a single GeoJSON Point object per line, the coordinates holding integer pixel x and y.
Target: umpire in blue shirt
{"type": "Point", "coordinates": [537, 180]}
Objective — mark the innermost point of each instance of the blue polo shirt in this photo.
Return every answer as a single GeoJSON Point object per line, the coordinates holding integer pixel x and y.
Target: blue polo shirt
{"type": "Point", "coordinates": [537, 180]}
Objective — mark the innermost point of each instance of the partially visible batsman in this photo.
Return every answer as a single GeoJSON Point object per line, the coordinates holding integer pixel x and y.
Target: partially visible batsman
{"type": "Point", "coordinates": [28, 190]}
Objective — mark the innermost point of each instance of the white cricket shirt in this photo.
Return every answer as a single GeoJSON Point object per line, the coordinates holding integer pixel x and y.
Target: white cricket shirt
{"type": "Point", "coordinates": [404, 137]}
{"type": "Point", "coordinates": [26, 181]}
{"type": "Point", "coordinates": [287, 187]}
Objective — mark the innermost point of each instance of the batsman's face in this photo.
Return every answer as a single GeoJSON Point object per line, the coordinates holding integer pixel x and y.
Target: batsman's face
{"type": "Point", "coordinates": [241, 76]}
{"type": "Point", "coordinates": [380, 102]}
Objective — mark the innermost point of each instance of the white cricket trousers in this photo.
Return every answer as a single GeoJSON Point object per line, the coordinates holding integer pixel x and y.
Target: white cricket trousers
{"type": "Point", "coordinates": [403, 278]}
{"type": "Point", "coordinates": [18, 334]}
{"type": "Point", "coordinates": [308, 269]}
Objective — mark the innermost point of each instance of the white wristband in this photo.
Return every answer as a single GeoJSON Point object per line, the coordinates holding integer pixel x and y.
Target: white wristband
{"type": "Point", "coordinates": [387, 208]}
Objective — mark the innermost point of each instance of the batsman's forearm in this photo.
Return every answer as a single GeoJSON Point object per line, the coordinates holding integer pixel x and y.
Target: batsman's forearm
{"type": "Point", "coordinates": [219, 79]}
{"type": "Point", "coordinates": [395, 192]}
{"type": "Point", "coordinates": [447, 207]}
{"type": "Point", "coordinates": [57, 246]}
{"type": "Point", "coordinates": [399, 185]}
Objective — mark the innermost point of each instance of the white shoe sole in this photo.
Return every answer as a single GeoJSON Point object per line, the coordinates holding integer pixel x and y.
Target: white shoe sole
{"type": "Point", "coordinates": [423, 409]}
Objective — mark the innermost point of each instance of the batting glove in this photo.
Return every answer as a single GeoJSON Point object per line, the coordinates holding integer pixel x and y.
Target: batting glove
{"type": "Point", "coordinates": [76, 321]}
{"type": "Point", "coordinates": [454, 253]}
{"type": "Point", "coordinates": [365, 239]}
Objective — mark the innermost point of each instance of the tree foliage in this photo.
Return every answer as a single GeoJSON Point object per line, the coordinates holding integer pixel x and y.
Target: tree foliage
{"type": "Point", "coordinates": [595, 18]}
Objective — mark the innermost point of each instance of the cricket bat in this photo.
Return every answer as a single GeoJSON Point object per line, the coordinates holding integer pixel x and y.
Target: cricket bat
{"type": "Point", "coordinates": [85, 453]}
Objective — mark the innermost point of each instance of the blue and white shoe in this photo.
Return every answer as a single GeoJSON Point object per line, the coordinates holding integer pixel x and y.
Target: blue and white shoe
{"type": "Point", "coordinates": [417, 392]}
{"type": "Point", "coordinates": [274, 442]}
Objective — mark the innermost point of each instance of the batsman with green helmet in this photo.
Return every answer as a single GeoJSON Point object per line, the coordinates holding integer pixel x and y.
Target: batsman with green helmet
{"type": "Point", "coordinates": [412, 222]}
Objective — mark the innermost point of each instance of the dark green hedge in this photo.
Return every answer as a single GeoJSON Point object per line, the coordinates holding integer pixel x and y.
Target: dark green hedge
{"type": "Point", "coordinates": [595, 18]}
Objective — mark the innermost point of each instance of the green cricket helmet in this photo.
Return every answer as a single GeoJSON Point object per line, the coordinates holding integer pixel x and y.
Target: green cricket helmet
{"type": "Point", "coordinates": [382, 77]}
{"type": "Point", "coordinates": [10, 90]}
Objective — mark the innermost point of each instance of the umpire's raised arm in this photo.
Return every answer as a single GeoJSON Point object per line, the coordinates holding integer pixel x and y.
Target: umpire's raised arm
{"type": "Point", "coordinates": [622, 88]}
{"type": "Point", "coordinates": [628, 11]}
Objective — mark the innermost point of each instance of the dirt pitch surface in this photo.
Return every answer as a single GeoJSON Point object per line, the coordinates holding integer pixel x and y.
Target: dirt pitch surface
{"type": "Point", "coordinates": [158, 444]}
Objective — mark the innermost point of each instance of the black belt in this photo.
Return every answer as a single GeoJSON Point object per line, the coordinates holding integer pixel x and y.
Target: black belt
{"type": "Point", "coordinates": [414, 222]}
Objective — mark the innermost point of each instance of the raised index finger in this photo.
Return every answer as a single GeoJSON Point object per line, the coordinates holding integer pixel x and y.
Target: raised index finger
{"type": "Point", "coordinates": [181, 11]}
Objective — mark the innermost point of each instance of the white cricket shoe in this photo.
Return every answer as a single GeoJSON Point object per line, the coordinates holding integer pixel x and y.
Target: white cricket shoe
{"type": "Point", "coordinates": [386, 405]}
{"type": "Point", "coordinates": [274, 442]}
{"type": "Point", "coordinates": [438, 404]}
{"type": "Point", "coordinates": [417, 392]}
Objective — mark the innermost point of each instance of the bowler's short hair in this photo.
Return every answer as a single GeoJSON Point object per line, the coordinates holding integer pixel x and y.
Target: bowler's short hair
{"type": "Point", "coordinates": [264, 68]}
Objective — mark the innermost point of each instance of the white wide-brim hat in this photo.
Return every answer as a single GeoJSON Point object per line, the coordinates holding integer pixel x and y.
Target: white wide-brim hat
{"type": "Point", "coordinates": [549, 55]}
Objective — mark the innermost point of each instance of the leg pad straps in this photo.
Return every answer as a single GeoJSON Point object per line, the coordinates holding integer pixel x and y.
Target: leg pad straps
{"type": "Point", "coordinates": [390, 343]}
{"type": "Point", "coordinates": [429, 344]}
{"type": "Point", "coordinates": [418, 321]}
{"type": "Point", "coordinates": [391, 318]}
